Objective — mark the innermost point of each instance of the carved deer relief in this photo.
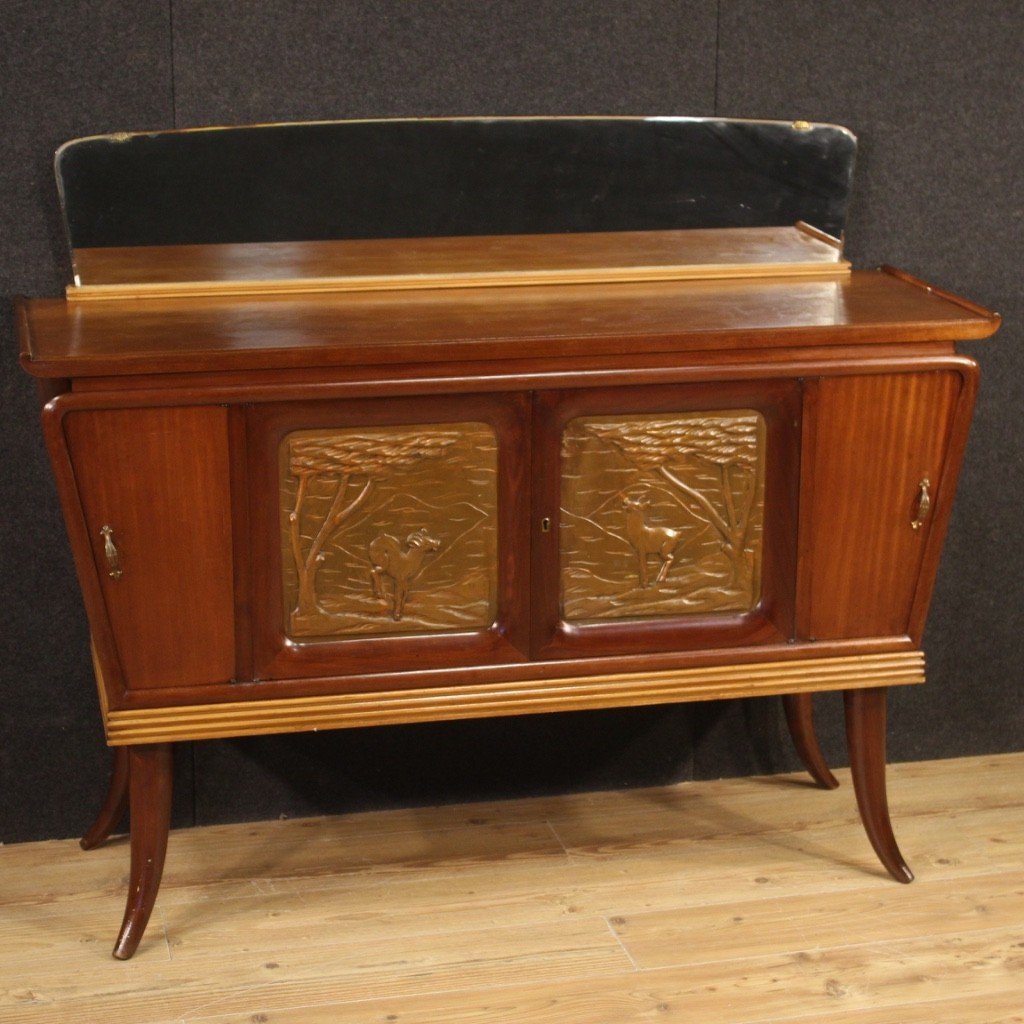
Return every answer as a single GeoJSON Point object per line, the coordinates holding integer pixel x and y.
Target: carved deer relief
{"type": "Point", "coordinates": [649, 540]}
{"type": "Point", "coordinates": [403, 565]}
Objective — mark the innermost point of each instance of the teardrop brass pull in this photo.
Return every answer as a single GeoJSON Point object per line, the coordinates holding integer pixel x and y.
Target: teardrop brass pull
{"type": "Point", "coordinates": [115, 572]}
{"type": "Point", "coordinates": [924, 504]}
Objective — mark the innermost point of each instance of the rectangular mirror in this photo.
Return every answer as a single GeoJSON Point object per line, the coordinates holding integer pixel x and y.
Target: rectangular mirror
{"type": "Point", "coordinates": [261, 193]}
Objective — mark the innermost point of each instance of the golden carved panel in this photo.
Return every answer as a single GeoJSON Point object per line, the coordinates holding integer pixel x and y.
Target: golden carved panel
{"type": "Point", "coordinates": [389, 529]}
{"type": "Point", "coordinates": [662, 515]}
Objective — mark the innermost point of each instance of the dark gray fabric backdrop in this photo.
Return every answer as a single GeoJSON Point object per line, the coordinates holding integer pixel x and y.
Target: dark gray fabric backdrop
{"type": "Point", "coordinates": [934, 92]}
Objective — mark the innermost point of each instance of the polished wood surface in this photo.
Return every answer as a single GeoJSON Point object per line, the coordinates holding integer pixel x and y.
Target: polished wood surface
{"type": "Point", "coordinates": [875, 441]}
{"type": "Point", "coordinates": [149, 783]}
{"type": "Point", "coordinates": [159, 479]}
{"type": "Point", "coordinates": [581, 321]}
{"type": "Point", "coordinates": [534, 695]}
{"type": "Point", "coordinates": [799, 708]}
{"type": "Point", "coordinates": [766, 620]}
{"type": "Point", "coordinates": [171, 441]}
{"type": "Point", "coordinates": [740, 901]}
{"type": "Point", "coordinates": [504, 637]}
{"type": "Point", "coordinates": [865, 735]}
{"type": "Point", "coordinates": [114, 808]}
{"type": "Point", "coordinates": [465, 262]}
{"type": "Point", "coordinates": [450, 672]}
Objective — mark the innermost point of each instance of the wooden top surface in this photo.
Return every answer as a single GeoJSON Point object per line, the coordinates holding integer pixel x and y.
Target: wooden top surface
{"type": "Point", "coordinates": [475, 261]}
{"type": "Point", "coordinates": [62, 339]}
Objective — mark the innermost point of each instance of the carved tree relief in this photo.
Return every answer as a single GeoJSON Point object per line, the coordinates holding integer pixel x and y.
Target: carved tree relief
{"type": "Point", "coordinates": [662, 515]}
{"type": "Point", "coordinates": [377, 522]}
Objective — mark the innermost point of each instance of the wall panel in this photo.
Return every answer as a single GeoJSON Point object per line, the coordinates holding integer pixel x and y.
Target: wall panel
{"type": "Point", "coordinates": [241, 62]}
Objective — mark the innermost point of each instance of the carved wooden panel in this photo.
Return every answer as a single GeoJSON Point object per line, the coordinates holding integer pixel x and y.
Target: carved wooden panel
{"type": "Point", "coordinates": [661, 515]}
{"type": "Point", "coordinates": [389, 529]}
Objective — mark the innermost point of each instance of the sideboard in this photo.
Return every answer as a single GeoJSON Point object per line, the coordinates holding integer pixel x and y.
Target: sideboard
{"type": "Point", "coordinates": [546, 478]}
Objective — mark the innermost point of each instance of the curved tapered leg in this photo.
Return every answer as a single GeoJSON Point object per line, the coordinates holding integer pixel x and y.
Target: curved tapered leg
{"type": "Point", "coordinates": [116, 806]}
{"type": "Point", "coordinates": [800, 719]}
{"type": "Point", "coordinates": [149, 785]}
{"type": "Point", "coordinates": [865, 734]}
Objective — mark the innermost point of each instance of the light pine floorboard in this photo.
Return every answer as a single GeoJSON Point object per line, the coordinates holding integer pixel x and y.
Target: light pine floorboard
{"type": "Point", "coordinates": [745, 901]}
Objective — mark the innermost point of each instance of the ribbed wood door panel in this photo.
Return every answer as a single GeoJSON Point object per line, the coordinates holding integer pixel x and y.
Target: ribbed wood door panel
{"type": "Point", "coordinates": [870, 442]}
{"type": "Point", "coordinates": [160, 479]}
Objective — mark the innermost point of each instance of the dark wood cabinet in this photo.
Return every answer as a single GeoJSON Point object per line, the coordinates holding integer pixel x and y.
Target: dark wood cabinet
{"type": "Point", "coordinates": [388, 534]}
{"type": "Point", "coordinates": [361, 537]}
{"type": "Point", "coordinates": [480, 476]}
{"type": "Point", "coordinates": [268, 542]}
{"type": "Point", "coordinates": [154, 490]}
{"type": "Point", "coordinates": [670, 515]}
{"type": "Point", "coordinates": [878, 459]}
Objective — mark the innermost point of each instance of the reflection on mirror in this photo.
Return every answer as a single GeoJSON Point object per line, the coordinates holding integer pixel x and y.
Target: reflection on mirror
{"type": "Point", "coordinates": [270, 186]}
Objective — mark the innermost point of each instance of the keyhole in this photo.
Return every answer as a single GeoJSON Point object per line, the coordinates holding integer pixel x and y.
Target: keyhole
{"type": "Point", "coordinates": [545, 525]}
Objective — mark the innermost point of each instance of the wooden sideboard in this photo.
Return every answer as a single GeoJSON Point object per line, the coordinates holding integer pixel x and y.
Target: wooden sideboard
{"type": "Point", "coordinates": [314, 511]}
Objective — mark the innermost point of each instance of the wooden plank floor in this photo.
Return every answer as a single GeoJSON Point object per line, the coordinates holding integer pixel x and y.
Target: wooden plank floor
{"type": "Point", "coordinates": [740, 901]}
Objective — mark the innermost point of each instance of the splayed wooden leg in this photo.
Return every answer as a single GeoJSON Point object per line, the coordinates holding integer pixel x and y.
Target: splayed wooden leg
{"type": "Point", "coordinates": [150, 795]}
{"type": "Point", "coordinates": [800, 719]}
{"type": "Point", "coordinates": [115, 807]}
{"type": "Point", "coordinates": [865, 734]}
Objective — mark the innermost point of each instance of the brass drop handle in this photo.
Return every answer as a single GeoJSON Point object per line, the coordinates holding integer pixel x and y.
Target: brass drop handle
{"type": "Point", "coordinates": [924, 504]}
{"type": "Point", "coordinates": [115, 572]}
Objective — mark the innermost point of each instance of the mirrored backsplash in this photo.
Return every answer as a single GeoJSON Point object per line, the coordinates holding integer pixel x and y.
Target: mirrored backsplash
{"type": "Point", "coordinates": [349, 180]}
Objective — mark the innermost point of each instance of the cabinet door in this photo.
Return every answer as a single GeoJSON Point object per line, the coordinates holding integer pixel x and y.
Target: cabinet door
{"type": "Point", "coordinates": [874, 466]}
{"type": "Point", "coordinates": [154, 486]}
{"type": "Point", "coordinates": [665, 517]}
{"type": "Point", "coordinates": [389, 534]}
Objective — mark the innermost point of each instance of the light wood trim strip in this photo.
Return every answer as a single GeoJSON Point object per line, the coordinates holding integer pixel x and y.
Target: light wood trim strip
{"type": "Point", "coordinates": [286, 268]}
{"type": "Point", "coordinates": [101, 683]}
{"type": "Point", "coordinates": [349, 710]}
{"type": "Point", "coordinates": [419, 282]}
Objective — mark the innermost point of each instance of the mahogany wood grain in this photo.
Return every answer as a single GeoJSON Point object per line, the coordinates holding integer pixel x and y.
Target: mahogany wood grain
{"type": "Point", "coordinates": [873, 440]}
{"type": "Point", "coordinates": [540, 373]}
{"type": "Point", "coordinates": [934, 356]}
{"type": "Point", "coordinates": [163, 419]}
{"type": "Point", "coordinates": [109, 676]}
{"type": "Point", "coordinates": [159, 478]}
{"type": "Point", "coordinates": [518, 676]}
{"type": "Point", "coordinates": [241, 536]}
{"type": "Point", "coordinates": [799, 708]}
{"type": "Point", "coordinates": [943, 499]}
{"type": "Point", "coordinates": [115, 807]}
{"type": "Point", "coordinates": [865, 735]}
{"type": "Point", "coordinates": [183, 335]}
{"type": "Point", "coordinates": [470, 261]}
{"type": "Point", "coordinates": [402, 380]}
{"type": "Point", "coordinates": [150, 783]}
